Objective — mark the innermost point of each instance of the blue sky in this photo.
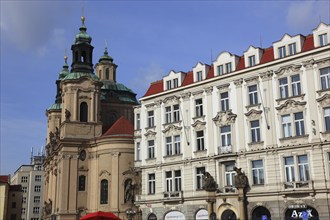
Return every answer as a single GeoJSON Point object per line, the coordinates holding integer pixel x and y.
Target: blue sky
{"type": "Point", "coordinates": [147, 39]}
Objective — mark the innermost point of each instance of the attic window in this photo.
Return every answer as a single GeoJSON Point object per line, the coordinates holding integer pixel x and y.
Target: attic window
{"type": "Point", "coordinates": [252, 60]}
{"type": "Point", "coordinates": [228, 67]}
{"type": "Point", "coordinates": [168, 84]}
{"type": "Point", "coordinates": [323, 40]}
{"type": "Point", "coordinates": [199, 76]}
{"type": "Point", "coordinates": [281, 52]}
{"type": "Point", "coordinates": [175, 83]}
{"type": "Point", "coordinates": [292, 49]}
{"type": "Point", "coordinates": [220, 69]}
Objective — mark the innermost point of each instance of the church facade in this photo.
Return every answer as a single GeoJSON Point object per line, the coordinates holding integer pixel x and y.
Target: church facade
{"type": "Point", "coordinates": [90, 147]}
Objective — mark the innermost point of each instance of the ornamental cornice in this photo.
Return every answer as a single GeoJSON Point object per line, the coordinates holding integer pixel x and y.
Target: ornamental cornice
{"type": "Point", "coordinates": [253, 114]}
{"type": "Point", "coordinates": [238, 82]}
{"type": "Point", "coordinates": [223, 87]}
{"type": "Point", "coordinates": [308, 63]}
{"type": "Point", "coordinates": [324, 100]}
{"type": "Point", "coordinates": [150, 106]}
{"type": "Point", "coordinates": [172, 129]}
{"type": "Point", "coordinates": [252, 80]}
{"type": "Point", "coordinates": [291, 105]}
{"type": "Point", "coordinates": [171, 99]}
{"type": "Point", "coordinates": [287, 69]}
{"type": "Point", "coordinates": [150, 134]}
{"type": "Point", "coordinates": [224, 118]}
{"type": "Point", "coordinates": [208, 90]}
{"type": "Point", "coordinates": [198, 125]}
{"type": "Point", "coordinates": [197, 93]}
{"type": "Point", "coordinates": [185, 96]}
{"type": "Point", "coordinates": [85, 97]}
{"type": "Point", "coordinates": [266, 75]}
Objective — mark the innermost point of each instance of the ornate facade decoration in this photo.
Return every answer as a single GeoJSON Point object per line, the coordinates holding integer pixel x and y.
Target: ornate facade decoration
{"type": "Point", "coordinates": [224, 118]}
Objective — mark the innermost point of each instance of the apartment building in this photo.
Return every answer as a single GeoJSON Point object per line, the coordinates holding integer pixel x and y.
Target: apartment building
{"type": "Point", "coordinates": [266, 111]}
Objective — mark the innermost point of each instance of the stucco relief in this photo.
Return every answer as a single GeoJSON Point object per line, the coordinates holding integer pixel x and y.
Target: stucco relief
{"type": "Point", "coordinates": [224, 118]}
{"type": "Point", "coordinates": [185, 96]}
{"type": "Point", "coordinates": [150, 135]}
{"type": "Point", "coordinates": [104, 173]}
{"type": "Point", "coordinates": [199, 125]}
{"type": "Point", "coordinates": [208, 90]}
{"type": "Point", "coordinates": [171, 99]}
{"type": "Point", "coordinates": [287, 69]}
{"type": "Point", "coordinates": [324, 100]}
{"type": "Point", "coordinates": [238, 82]}
{"type": "Point", "coordinates": [266, 75]}
{"type": "Point", "coordinates": [150, 106]}
{"type": "Point", "coordinates": [172, 130]}
{"type": "Point", "coordinates": [252, 80]}
{"type": "Point", "coordinates": [291, 106]}
{"type": "Point", "coordinates": [253, 114]}
{"type": "Point", "coordinates": [223, 88]}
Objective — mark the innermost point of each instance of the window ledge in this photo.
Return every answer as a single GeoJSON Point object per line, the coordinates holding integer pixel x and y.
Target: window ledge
{"type": "Point", "coordinates": [321, 91]}
{"type": "Point", "coordinates": [171, 123]}
{"type": "Point", "coordinates": [294, 137]}
{"type": "Point", "coordinates": [253, 106]}
{"type": "Point", "coordinates": [200, 151]}
{"type": "Point", "coordinates": [199, 117]}
{"type": "Point", "coordinates": [291, 97]}
{"type": "Point", "coordinates": [151, 159]}
{"type": "Point", "coordinates": [251, 144]}
{"type": "Point", "coordinates": [173, 155]}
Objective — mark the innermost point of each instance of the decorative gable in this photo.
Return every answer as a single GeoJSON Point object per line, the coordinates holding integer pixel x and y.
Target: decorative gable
{"type": "Point", "coordinates": [252, 56]}
{"type": "Point", "coordinates": [225, 63]}
{"type": "Point", "coordinates": [200, 71]}
{"type": "Point", "coordinates": [173, 80]}
{"type": "Point", "coordinates": [321, 35]}
{"type": "Point", "coordinates": [288, 46]}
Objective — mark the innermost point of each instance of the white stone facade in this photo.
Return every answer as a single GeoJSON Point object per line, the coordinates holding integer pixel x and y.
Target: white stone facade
{"type": "Point", "coordinates": [270, 119]}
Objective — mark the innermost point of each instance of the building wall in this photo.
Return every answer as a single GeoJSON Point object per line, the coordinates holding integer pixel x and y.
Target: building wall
{"type": "Point", "coordinates": [276, 193]}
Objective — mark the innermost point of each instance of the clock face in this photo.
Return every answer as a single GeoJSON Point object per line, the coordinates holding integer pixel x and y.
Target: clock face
{"type": "Point", "coordinates": [82, 155]}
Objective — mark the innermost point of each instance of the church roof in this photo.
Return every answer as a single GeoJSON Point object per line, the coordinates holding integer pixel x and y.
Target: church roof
{"type": "Point", "coordinates": [78, 75]}
{"type": "Point", "coordinates": [55, 106]}
{"type": "Point", "coordinates": [121, 128]}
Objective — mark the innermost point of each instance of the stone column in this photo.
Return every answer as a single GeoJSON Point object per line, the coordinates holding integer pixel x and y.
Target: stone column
{"type": "Point", "coordinates": [241, 203]}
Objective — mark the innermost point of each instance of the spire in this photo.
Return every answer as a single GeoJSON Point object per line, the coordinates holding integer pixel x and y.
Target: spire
{"type": "Point", "coordinates": [106, 56]}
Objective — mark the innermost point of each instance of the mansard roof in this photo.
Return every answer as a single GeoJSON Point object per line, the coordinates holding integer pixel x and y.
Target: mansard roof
{"type": "Point", "coordinates": [267, 56]}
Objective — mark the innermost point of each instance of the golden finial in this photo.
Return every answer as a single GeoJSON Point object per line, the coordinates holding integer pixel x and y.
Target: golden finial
{"type": "Point", "coordinates": [83, 15]}
{"type": "Point", "coordinates": [65, 57]}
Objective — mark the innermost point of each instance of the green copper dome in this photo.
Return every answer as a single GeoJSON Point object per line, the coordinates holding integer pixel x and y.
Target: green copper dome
{"type": "Point", "coordinates": [119, 90]}
{"type": "Point", "coordinates": [106, 57]}
{"type": "Point", "coordinates": [78, 75]}
{"type": "Point", "coordinates": [82, 36]}
{"type": "Point", "coordinates": [65, 71]}
{"type": "Point", "coordinates": [55, 106]}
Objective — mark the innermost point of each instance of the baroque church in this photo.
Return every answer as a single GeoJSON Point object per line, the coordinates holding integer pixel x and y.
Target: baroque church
{"type": "Point", "coordinates": [90, 147]}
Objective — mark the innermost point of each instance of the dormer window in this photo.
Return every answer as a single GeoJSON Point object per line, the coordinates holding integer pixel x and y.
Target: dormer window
{"type": "Point", "coordinates": [168, 84]}
{"type": "Point", "coordinates": [175, 83]}
{"type": "Point", "coordinates": [252, 60]}
{"type": "Point", "coordinates": [220, 70]}
{"type": "Point", "coordinates": [281, 52]}
{"type": "Point", "coordinates": [292, 49]}
{"type": "Point", "coordinates": [173, 80]}
{"type": "Point", "coordinates": [228, 67]}
{"type": "Point", "coordinates": [199, 76]}
{"type": "Point", "coordinates": [323, 38]}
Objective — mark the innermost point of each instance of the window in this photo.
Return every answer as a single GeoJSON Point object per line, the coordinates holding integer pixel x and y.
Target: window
{"type": "Point", "coordinates": [23, 210]}
{"type": "Point", "coordinates": [220, 70]}
{"type": "Point", "coordinates": [168, 114]}
{"type": "Point", "coordinates": [252, 60]}
{"type": "Point", "coordinates": [175, 83]}
{"type": "Point", "coordinates": [299, 123]}
{"type": "Point", "coordinates": [176, 113]}
{"type": "Point", "coordinates": [151, 183]}
{"type": "Point", "coordinates": [169, 181]}
{"type": "Point", "coordinates": [83, 112]}
{"type": "Point", "coordinates": [36, 210]}
{"type": "Point", "coordinates": [138, 151]}
{"type": "Point", "coordinates": [224, 100]}
{"type": "Point", "coordinates": [230, 174]}
{"type": "Point", "coordinates": [255, 131]}
{"type": "Point", "coordinates": [37, 178]}
{"type": "Point", "coordinates": [253, 95]}
{"type": "Point", "coordinates": [13, 205]}
{"type": "Point", "coordinates": [327, 118]}
{"type": "Point", "coordinates": [12, 216]}
{"type": "Point", "coordinates": [138, 121]}
{"type": "Point", "coordinates": [323, 40]}
{"type": "Point", "coordinates": [325, 78]}
{"type": "Point", "coordinates": [199, 107]}
{"type": "Point", "coordinates": [36, 199]}
{"type": "Point", "coordinates": [24, 189]}
{"type": "Point", "coordinates": [200, 177]}
{"type": "Point", "coordinates": [284, 90]}
{"type": "Point", "coordinates": [170, 142]}
{"type": "Point", "coordinates": [281, 52]}
{"type": "Point", "coordinates": [295, 85]}
{"type": "Point", "coordinates": [24, 200]}
{"type": "Point", "coordinates": [82, 183]}
{"type": "Point", "coordinates": [169, 117]}
{"type": "Point", "coordinates": [107, 73]}
{"type": "Point", "coordinates": [296, 163]}
{"type": "Point", "coordinates": [168, 84]}
{"type": "Point", "coordinates": [24, 179]}
{"type": "Point", "coordinates": [151, 149]}
{"type": "Point", "coordinates": [104, 192]}
{"type": "Point", "coordinates": [258, 172]}
{"type": "Point", "coordinates": [200, 140]}
{"type": "Point", "coordinates": [228, 67]}
{"type": "Point", "coordinates": [292, 49]}
{"type": "Point", "coordinates": [286, 126]}
{"type": "Point", "coordinates": [225, 136]}
{"type": "Point", "coordinates": [151, 122]}
{"type": "Point", "coordinates": [37, 188]}
{"type": "Point", "coordinates": [199, 75]}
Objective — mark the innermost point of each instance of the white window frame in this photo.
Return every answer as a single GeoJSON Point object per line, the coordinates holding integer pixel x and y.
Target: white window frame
{"type": "Point", "coordinates": [292, 49]}
{"type": "Point", "coordinates": [299, 124]}
{"type": "Point", "coordinates": [175, 83]}
{"type": "Point", "coordinates": [37, 188]}
{"type": "Point", "coordinates": [252, 60]}
{"type": "Point", "coordinates": [295, 85]}
{"type": "Point", "coordinates": [220, 69]}
{"type": "Point", "coordinates": [37, 178]}
{"type": "Point", "coordinates": [151, 183]}
{"type": "Point", "coordinates": [225, 136]}
{"type": "Point", "coordinates": [281, 52]}
{"type": "Point", "coordinates": [297, 170]}
{"type": "Point", "coordinates": [224, 101]}
{"type": "Point", "coordinates": [36, 210]}
{"type": "Point", "coordinates": [151, 149]}
{"type": "Point", "coordinates": [200, 177]}
{"type": "Point", "coordinates": [138, 121]}
{"type": "Point", "coordinates": [199, 76]}
{"type": "Point", "coordinates": [228, 67]}
{"type": "Point", "coordinates": [151, 119]}
{"type": "Point", "coordinates": [36, 199]}
{"type": "Point", "coordinates": [176, 113]}
{"type": "Point", "coordinates": [200, 145]}
{"type": "Point", "coordinates": [24, 179]}
{"type": "Point", "coordinates": [323, 39]}
{"type": "Point", "coordinates": [177, 144]}
{"type": "Point", "coordinates": [286, 126]}
{"type": "Point", "coordinates": [326, 113]}
{"type": "Point", "coordinates": [168, 84]}
{"type": "Point", "coordinates": [229, 174]}
{"type": "Point", "coordinates": [255, 131]}
{"type": "Point", "coordinates": [169, 146]}
{"type": "Point", "coordinates": [253, 94]}
{"type": "Point", "coordinates": [325, 78]}
{"type": "Point", "coordinates": [289, 169]}
{"type": "Point", "coordinates": [303, 168]}
{"type": "Point", "coordinates": [284, 87]}
{"type": "Point", "coordinates": [24, 189]}
{"type": "Point", "coordinates": [168, 114]}
{"type": "Point", "coordinates": [199, 107]}
{"type": "Point", "coordinates": [173, 181]}
{"type": "Point", "coordinates": [138, 151]}
{"type": "Point", "coordinates": [258, 174]}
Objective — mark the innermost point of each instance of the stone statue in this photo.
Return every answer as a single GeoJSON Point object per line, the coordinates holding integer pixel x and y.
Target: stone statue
{"type": "Point", "coordinates": [209, 183]}
{"type": "Point", "coordinates": [241, 180]}
{"type": "Point", "coordinates": [48, 207]}
{"type": "Point", "coordinates": [129, 191]}
{"type": "Point", "coordinates": [67, 115]}
{"type": "Point", "coordinates": [57, 133]}
{"type": "Point", "coordinates": [51, 136]}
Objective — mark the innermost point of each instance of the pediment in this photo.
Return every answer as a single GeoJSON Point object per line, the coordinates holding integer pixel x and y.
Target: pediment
{"type": "Point", "coordinates": [150, 134]}
{"type": "Point", "coordinates": [224, 55]}
{"type": "Point", "coordinates": [199, 65]}
{"type": "Point", "coordinates": [253, 114]}
{"type": "Point", "coordinates": [287, 69]}
{"type": "Point", "coordinates": [290, 105]}
{"type": "Point", "coordinates": [224, 118]}
{"type": "Point", "coordinates": [171, 99]}
{"type": "Point", "coordinates": [172, 129]}
{"type": "Point", "coordinates": [198, 124]}
{"type": "Point", "coordinates": [104, 173]}
{"type": "Point", "coordinates": [324, 100]}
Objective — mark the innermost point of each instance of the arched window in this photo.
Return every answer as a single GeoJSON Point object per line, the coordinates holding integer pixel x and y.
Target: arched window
{"type": "Point", "coordinates": [82, 182]}
{"type": "Point", "coordinates": [83, 56]}
{"type": "Point", "coordinates": [107, 73]}
{"type": "Point", "coordinates": [76, 56]}
{"type": "Point", "coordinates": [104, 192]}
{"type": "Point", "coordinates": [83, 112]}
{"type": "Point", "coordinates": [228, 215]}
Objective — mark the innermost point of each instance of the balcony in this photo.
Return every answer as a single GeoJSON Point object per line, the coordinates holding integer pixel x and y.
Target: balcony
{"type": "Point", "coordinates": [225, 149]}
{"type": "Point", "coordinates": [297, 185]}
{"type": "Point", "coordinates": [175, 196]}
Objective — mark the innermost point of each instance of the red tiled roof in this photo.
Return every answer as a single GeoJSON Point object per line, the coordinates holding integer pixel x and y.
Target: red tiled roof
{"type": "Point", "coordinates": [155, 87]}
{"type": "Point", "coordinates": [4, 179]}
{"type": "Point", "coordinates": [188, 79]}
{"type": "Point", "coordinates": [308, 44]}
{"type": "Point", "coordinates": [267, 56]}
{"type": "Point", "coordinates": [241, 64]}
{"type": "Point", "coordinates": [121, 128]}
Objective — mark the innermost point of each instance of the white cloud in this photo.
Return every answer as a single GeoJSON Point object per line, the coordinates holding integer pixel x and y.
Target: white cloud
{"type": "Point", "coordinates": [307, 14]}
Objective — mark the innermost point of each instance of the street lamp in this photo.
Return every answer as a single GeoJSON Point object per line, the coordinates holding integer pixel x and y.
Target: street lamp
{"type": "Point", "coordinates": [130, 213]}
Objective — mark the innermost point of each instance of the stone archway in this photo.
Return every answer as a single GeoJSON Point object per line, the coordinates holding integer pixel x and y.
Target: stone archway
{"type": "Point", "coordinates": [228, 215]}
{"type": "Point", "coordinates": [260, 213]}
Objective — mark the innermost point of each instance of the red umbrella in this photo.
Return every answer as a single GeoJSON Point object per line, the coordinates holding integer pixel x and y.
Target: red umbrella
{"type": "Point", "coordinates": [100, 216]}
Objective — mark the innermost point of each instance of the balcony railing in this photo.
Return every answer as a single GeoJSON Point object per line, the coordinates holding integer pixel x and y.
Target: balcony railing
{"type": "Point", "coordinates": [175, 194]}
{"type": "Point", "coordinates": [225, 149]}
{"type": "Point", "coordinates": [297, 185]}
